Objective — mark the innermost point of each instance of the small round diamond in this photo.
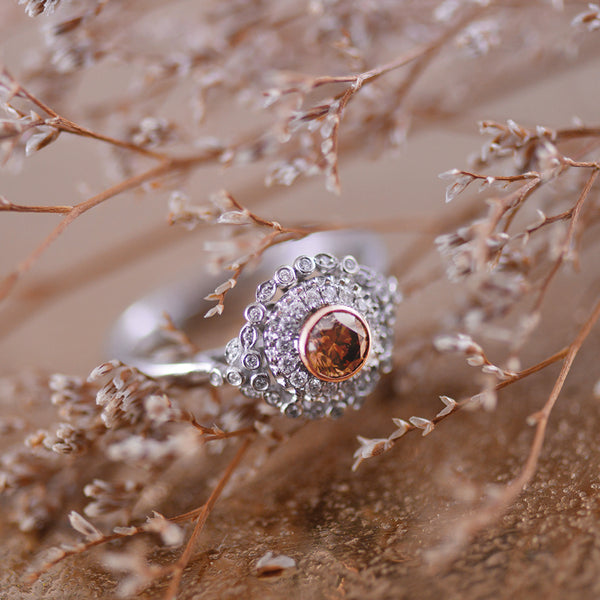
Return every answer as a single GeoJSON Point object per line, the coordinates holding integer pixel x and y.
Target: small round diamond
{"type": "Point", "coordinates": [251, 361]}
{"type": "Point", "coordinates": [365, 276]}
{"type": "Point", "coordinates": [366, 384]}
{"type": "Point", "coordinates": [316, 410]}
{"type": "Point", "coordinates": [234, 377]}
{"type": "Point", "coordinates": [288, 364]}
{"type": "Point", "coordinates": [255, 313]}
{"type": "Point", "coordinates": [215, 378]}
{"type": "Point", "coordinates": [336, 410]}
{"type": "Point", "coordinates": [266, 291]}
{"type": "Point", "coordinates": [298, 379]}
{"type": "Point", "coordinates": [233, 349]}
{"type": "Point", "coordinates": [350, 265]}
{"type": "Point", "coordinates": [326, 262]}
{"type": "Point", "coordinates": [304, 265]}
{"type": "Point", "coordinates": [260, 382]}
{"type": "Point", "coordinates": [285, 276]}
{"type": "Point", "coordinates": [330, 389]}
{"type": "Point", "coordinates": [313, 386]}
{"type": "Point", "coordinates": [296, 310]}
{"type": "Point", "coordinates": [313, 299]}
{"type": "Point", "coordinates": [329, 293]}
{"type": "Point", "coordinates": [362, 305]}
{"type": "Point", "coordinates": [250, 392]}
{"type": "Point", "coordinates": [345, 296]}
{"type": "Point", "coordinates": [272, 398]}
{"type": "Point", "coordinates": [293, 410]}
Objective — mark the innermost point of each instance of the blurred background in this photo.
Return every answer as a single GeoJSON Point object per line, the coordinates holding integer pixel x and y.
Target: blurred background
{"type": "Point", "coordinates": [66, 333]}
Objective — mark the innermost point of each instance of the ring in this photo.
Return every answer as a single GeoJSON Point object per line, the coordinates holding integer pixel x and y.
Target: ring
{"type": "Point", "coordinates": [314, 342]}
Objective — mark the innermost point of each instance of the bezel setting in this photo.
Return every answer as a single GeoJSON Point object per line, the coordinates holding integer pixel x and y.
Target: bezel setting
{"type": "Point", "coordinates": [282, 315]}
{"type": "Point", "coordinates": [316, 318]}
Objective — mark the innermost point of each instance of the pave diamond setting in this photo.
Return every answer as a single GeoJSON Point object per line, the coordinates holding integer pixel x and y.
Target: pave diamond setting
{"type": "Point", "coordinates": [318, 337]}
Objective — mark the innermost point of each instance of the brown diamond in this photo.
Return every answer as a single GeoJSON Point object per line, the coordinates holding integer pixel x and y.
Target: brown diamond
{"type": "Point", "coordinates": [334, 343]}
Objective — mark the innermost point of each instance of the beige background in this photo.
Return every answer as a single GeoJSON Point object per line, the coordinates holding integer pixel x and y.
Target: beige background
{"type": "Point", "coordinates": [68, 335]}
{"type": "Point", "coordinates": [353, 535]}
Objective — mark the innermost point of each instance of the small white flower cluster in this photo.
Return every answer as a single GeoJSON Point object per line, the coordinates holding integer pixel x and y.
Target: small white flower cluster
{"type": "Point", "coordinates": [511, 140]}
{"type": "Point", "coordinates": [28, 132]}
{"type": "Point", "coordinates": [370, 447]}
{"type": "Point", "coordinates": [34, 8]}
{"type": "Point", "coordinates": [122, 394]}
{"type": "Point", "coordinates": [152, 132]}
{"type": "Point", "coordinates": [110, 496]}
{"type": "Point", "coordinates": [589, 18]}
{"type": "Point", "coordinates": [272, 564]}
{"type": "Point", "coordinates": [464, 344]}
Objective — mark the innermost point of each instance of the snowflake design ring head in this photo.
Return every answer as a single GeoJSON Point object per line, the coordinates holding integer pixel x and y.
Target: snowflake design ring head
{"type": "Point", "coordinates": [314, 342]}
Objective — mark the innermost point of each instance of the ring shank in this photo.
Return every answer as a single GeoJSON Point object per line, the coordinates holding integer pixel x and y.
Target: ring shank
{"type": "Point", "coordinates": [138, 329]}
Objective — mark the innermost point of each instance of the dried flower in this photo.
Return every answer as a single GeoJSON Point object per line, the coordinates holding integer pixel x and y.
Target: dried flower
{"type": "Point", "coordinates": [34, 8]}
{"type": "Point", "coordinates": [270, 564]}
{"type": "Point", "coordinates": [589, 18]}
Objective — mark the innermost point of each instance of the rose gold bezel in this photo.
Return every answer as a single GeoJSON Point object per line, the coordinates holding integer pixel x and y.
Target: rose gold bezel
{"type": "Point", "coordinates": [310, 323]}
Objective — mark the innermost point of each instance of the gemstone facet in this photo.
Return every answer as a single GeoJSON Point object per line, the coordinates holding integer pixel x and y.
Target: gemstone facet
{"type": "Point", "coordinates": [334, 343]}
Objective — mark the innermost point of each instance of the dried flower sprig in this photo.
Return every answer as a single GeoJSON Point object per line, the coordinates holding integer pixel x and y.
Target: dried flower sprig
{"type": "Point", "coordinates": [507, 249]}
{"type": "Point", "coordinates": [374, 447]}
{"type": "Point", "coordinates": [226, 210]}
{"type": "Point", "coordinates": [168, 530]}
{"type": "Point", "coordinates": [503, 497]}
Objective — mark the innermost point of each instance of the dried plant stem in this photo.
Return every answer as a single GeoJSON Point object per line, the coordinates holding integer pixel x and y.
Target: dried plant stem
{"type": "Point", "coordinates": [65, 125]}
{"type": "Point", "coordinates": [535, 369]}
{"type": "Point", "coordinates": [486, 514]}
{"type": "Point", "coordinates": [204, 512]}
{"type": "Point", "coordinates": [170, 166]}
{"type": "Point", "coordinates": [10, 207]}
{"type": "Point", "coordinates": [81, 548]}
{"type": "Point", "coordinates": [428, 425]}
{"type": "Point", "coordinates": [199, 514]}
{"type": "Point", "coordinates": [7, 284]}
{"type": "Point", "coordinates": [210, 434]}
{"type": "Point", "coordinates": [167, 164]}
{"type": "Point", "coordinates": [576, 212]}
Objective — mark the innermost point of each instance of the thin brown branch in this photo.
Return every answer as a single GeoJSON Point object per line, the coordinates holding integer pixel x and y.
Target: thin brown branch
{"type": "Point", "coordinates": [204, 512]}
{"type": "Point", "coordinates": [534, 369]}
{"type": "Point", "coordinates": [66, 125]}
{"type": "Point", "coordinates": [500, 502]}
{"type": "Point", "coordinates": [179, 164]}
{"type": "Point", "coordinates": [568, 240]}
{"type": "Point", "coordinates": [10, 207]}
{"type": "Point", "coordinates": [81, 548]}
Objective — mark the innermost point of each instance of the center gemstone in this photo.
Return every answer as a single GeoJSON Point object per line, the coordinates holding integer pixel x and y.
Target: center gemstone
{"type": "Point", "coordinates": [334, 343]}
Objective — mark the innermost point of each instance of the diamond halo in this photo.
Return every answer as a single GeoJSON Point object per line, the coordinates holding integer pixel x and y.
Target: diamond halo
{"type": "Point", "coordinates": [267, 359]}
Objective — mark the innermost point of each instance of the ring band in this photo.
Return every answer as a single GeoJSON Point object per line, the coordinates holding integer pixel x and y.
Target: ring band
{"type": "Point", "coordinates": [315, 340]}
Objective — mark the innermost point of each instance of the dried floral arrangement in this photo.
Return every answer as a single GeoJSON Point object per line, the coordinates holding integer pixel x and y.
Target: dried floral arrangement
{"type": "Point", "coordinates": [307, 85]}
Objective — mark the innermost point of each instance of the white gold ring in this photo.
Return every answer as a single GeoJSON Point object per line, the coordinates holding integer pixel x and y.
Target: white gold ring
{"type": "Point", "coordinates": [314, 342]}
